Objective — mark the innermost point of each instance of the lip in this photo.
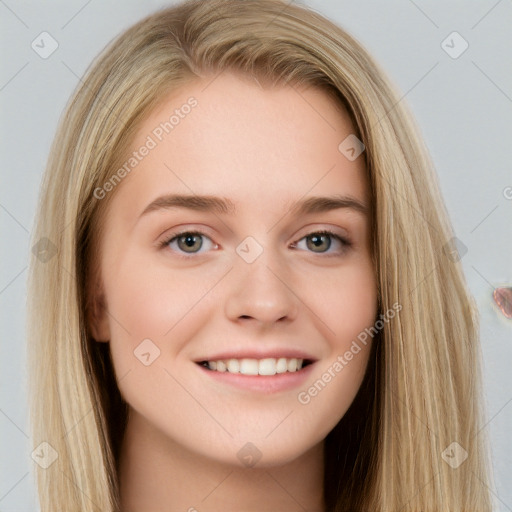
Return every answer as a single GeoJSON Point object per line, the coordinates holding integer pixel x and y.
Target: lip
{"type": "Point", "coordinates": [259, 354]}
{"type": "Point", "coordinates": [266, 384]}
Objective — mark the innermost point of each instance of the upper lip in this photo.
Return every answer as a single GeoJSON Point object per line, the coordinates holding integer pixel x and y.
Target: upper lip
{"type": "Point", "coordinates": [276, 353]}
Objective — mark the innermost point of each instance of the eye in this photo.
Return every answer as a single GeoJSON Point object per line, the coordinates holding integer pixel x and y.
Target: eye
{"type": "Point", "coordinates": [188, 242]}
{"type": "Point", "coordinates": [321, 241]}
{"type": "Point", "coordinates": [191, 242]}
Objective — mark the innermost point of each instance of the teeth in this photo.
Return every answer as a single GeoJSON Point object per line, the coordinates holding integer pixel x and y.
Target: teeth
{"type": "Point", "coordinates": [282, 365]}
{"type": "Point", "coordinates": [233, 366]}
{"type": "Point", "coordinates": [269, 366]}
{"type": "Point", "coordinates": [248, 367]}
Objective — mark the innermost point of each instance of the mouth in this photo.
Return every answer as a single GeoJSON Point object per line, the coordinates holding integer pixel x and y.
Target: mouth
{"type": "Point", "coordinates": [263, 367]}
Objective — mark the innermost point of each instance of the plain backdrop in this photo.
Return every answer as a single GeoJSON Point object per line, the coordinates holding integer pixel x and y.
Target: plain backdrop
{"type": "Point", "coordinates": [462, 101]}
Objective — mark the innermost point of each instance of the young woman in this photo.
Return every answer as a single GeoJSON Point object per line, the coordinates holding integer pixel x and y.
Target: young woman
{"type": "Point", "coordinates": [245, 298]}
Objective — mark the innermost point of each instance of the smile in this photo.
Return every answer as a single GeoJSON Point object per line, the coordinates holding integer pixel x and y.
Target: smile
{"type": "Point", "coordinates": [247, 366]}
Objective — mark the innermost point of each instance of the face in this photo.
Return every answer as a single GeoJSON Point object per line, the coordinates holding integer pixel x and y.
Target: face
{"type": "Point", "coordinates": [257, 275]}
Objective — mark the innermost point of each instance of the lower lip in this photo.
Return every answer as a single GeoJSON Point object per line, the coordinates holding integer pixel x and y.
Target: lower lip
{"type": "Point", "coordinates": [262, 383]}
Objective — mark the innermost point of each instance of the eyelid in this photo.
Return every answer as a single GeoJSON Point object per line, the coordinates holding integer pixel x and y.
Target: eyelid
{"type": "Point", "coordinates": [335, 231]}
{"type": "Point", "coordinates": [181, 230]}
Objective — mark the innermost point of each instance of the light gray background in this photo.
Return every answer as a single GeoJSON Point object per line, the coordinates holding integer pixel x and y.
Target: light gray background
{"type": "Point", "coordinates": [463, 107]}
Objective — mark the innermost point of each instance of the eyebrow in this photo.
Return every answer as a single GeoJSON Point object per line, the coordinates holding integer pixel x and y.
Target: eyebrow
{"type": "Point", "coordinates": [220, 205]}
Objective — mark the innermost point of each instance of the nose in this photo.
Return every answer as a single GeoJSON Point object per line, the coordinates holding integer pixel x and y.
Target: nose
{"type": "Point", "coordinates": [261, 291]}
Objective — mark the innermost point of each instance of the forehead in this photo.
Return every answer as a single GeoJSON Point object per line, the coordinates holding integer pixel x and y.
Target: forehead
{"type": "Point", "coordinates": [226, 135]}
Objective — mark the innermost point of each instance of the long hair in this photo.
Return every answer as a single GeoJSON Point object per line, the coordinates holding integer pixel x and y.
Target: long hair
{"type": "Point", "coordinates": [393, 450]}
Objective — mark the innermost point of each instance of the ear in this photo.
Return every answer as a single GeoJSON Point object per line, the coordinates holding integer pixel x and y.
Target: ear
{"type": "Point", "coordinates": [97, 316]}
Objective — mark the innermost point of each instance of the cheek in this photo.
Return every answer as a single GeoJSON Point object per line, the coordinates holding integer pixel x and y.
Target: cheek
{"type": "Point", "coordinates": [139, 313]}
{"type": "Point", "coordinates": [154, 312]}
{"type": "Point", "coordinates": [347, 306]}
{"type": "Point", "coordinates": [346, 303]}
{"type": "Point", "coordinates": [156, 303]}
{"type": "Point", "coordinates": [147, 300]}
{"type": "Point", "coordinates": [350, 310]}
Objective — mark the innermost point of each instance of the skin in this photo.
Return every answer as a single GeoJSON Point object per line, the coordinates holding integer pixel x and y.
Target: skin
{"type": "Point", "coordinates": [264, 149]}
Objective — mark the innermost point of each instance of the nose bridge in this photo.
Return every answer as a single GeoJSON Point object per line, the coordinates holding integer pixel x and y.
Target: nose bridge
{"type": "Point", "coordinates": [257, 286]}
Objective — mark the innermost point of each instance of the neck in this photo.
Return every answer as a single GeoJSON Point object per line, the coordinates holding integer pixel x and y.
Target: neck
{"type": "Point", "coordinates": [155, 471]}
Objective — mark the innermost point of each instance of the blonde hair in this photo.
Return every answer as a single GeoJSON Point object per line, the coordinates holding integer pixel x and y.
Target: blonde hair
{"type": "Point", "coordinates": [422, 389]}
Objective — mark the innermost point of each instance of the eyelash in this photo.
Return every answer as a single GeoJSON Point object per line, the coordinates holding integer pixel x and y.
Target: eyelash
{"type": "Point", "coordinates": [343, 241]}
